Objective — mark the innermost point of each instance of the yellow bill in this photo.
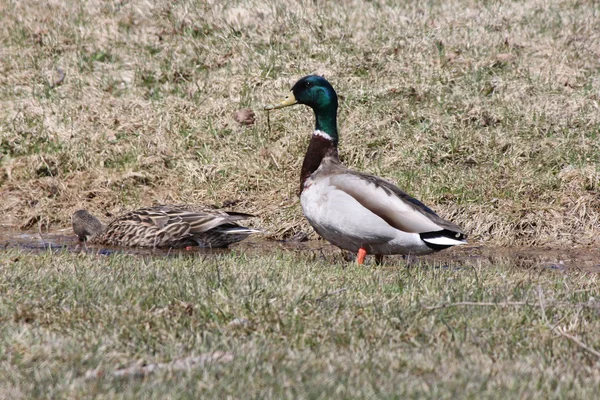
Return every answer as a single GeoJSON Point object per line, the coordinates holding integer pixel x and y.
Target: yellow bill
{"type": "Point", "coordinates": [288, 101]}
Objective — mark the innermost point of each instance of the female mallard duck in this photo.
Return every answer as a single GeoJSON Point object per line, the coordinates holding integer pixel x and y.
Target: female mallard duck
{"type": "Point", "coordinates": [355, 211]}
{"type": "Point", "coordinates": [164, 226]}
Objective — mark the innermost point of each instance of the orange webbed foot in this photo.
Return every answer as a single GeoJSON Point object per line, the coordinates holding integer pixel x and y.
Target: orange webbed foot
{"type": "Point", "coordinates": [360, 258]}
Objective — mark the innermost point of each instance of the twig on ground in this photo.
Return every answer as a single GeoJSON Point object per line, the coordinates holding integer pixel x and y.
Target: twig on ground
{"type": "Point", "coordinates": [560, 331]}
{"type": "Point", "coordinates": [541, 305]}
{"type": "Point", "coordinates": [474, 303]}
{"type": "Point", "coordinates": [186, 363]}
{"type": "Point", "coordinates": [41, 235]}
{"type": "Point", "coordinates": [577, 341]}
{"type": "Point", "coordinates": [510, 304]}
{"type": "Point", "coordinates": [269, 123]}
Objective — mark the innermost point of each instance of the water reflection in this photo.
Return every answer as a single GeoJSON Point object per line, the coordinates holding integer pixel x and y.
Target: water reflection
{"type": "Point", "coordinates": [560, 260]}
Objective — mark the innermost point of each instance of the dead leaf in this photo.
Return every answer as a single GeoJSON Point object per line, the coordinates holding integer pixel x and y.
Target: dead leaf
{"type": "Point", "coordinates": [244, 116]}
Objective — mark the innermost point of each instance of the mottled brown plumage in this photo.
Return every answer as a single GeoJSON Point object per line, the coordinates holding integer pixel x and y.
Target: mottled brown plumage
{"type": "Point", "coordinates": [170, 226]}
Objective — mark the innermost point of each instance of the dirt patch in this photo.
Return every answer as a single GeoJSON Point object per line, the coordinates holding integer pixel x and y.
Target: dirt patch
{"type": "Point", "coordinates": [572, 259]}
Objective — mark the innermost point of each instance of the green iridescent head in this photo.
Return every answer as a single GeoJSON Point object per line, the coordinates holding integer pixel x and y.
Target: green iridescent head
{"type": "Point", "coordinates": [317, 93]}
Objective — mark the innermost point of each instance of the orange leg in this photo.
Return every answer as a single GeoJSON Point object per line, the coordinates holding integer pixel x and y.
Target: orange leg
{"type": "Point", "coordinates": [360, 258]}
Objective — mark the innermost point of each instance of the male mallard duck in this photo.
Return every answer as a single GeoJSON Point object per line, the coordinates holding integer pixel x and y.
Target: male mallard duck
{"type": "Point", "coordinates": [164, 226]}
{"type": "Point", "coordinates": [355, 211]}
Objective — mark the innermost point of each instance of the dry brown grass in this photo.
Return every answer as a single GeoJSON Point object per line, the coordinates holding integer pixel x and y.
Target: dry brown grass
{"type": "Point", "coordinates": [487, 111]}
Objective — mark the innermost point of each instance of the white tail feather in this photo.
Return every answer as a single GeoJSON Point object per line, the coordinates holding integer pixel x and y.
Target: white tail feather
{"type": "Point", "coordinates": [241, 230]}
{"type": "Point", "coordinates": [444, 241]}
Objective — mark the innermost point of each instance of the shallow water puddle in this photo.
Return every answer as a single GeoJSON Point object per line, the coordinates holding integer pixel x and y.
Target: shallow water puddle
{"type": "Point", "coordinates": [561, 259]}
{"type": "Point", "coordinates": [557, 259]}
{"type": "Point", "coordinates": [65, 240]}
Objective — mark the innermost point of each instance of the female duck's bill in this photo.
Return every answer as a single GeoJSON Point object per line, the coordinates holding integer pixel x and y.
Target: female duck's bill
{"type": "Point", "coordinates": [355, 211]}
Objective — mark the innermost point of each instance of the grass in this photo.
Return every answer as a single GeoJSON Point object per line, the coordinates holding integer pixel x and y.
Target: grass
{"type": "Point", "coordinates": [438, 97]}
{"type": "Point", "coordinates": [486, 111]}
{"type": "Point", "coordinates": [310, 328]}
